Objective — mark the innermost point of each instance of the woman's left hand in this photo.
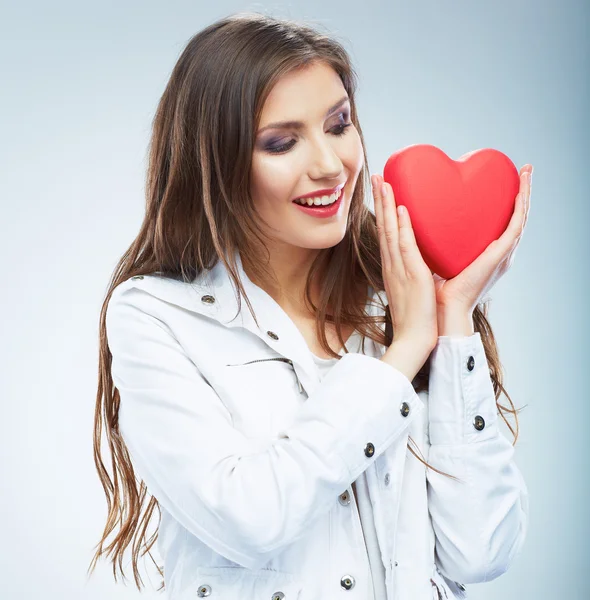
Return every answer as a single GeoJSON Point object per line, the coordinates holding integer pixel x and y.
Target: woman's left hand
{"type": "Point", "coordinates": [462, 293]}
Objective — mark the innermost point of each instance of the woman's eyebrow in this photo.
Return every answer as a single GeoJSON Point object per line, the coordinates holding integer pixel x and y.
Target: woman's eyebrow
{"type": "Point", "coordinates": [299, 124]}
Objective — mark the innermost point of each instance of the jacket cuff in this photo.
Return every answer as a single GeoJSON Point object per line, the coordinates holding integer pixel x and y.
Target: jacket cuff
{"type": "Point", "coordinates": [461, 397]}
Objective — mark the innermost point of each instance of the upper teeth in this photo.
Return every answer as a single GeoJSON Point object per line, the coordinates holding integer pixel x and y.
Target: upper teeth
{"type": "Point", "coordinates": [320, 200]}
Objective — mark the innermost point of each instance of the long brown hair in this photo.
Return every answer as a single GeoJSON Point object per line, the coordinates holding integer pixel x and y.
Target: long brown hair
{"type": "Point", "coordinates": [199, 210]}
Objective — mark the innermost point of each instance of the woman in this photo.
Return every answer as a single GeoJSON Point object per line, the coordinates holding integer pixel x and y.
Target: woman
{"type": "Point", "coordinates": [273, 440]}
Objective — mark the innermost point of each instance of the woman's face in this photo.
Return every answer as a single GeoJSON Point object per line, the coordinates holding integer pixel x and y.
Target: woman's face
{"type": "Point", "coordinates": [324, 152]}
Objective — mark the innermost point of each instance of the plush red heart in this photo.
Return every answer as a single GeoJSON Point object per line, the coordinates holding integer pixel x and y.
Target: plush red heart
{"type": "Point", "coordinates": [457, 207]}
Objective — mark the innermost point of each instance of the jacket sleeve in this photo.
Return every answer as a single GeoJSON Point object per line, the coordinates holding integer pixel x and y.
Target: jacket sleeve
{"type": "Point", "coordinates": [245, 499]}
{"type": "Point", "coordinates": [480, 524]}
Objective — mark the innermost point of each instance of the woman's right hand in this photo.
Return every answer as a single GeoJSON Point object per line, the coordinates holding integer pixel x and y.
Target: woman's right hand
{"type": "Point", "coordinates": [409, 282]}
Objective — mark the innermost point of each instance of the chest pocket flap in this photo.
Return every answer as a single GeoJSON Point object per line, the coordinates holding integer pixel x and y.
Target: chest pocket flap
{"type": "Point", "coordinates": [262, 395]}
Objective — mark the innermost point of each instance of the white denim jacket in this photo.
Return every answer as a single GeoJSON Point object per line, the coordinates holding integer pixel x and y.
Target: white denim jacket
{"type": "Point", "coordinates": [252, 458]}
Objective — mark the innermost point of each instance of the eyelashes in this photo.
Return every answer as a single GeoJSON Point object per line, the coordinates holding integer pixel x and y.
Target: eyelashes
{"type": "Point", "coordinates": [340, 131]}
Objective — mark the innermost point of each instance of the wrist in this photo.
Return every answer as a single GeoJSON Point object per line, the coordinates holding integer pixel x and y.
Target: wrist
{"type": "Point", "coordinates": [454, 322]}
{"type": "Point", "coordinates": [406, 357]}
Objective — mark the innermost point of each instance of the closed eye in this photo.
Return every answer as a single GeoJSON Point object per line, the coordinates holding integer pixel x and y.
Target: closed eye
{"type": "Point", "coordinates": [338, 130]}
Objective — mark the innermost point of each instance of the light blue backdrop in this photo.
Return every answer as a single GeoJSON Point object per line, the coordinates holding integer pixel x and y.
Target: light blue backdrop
{"type": "Point", "coordinates": [79, 86]}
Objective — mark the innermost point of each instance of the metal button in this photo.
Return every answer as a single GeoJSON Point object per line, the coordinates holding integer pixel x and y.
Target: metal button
{"type": "Point", "coordinates": [347, 582]}
{"type": "Point", "coordinates": [461, 586]}
{"type": "Point", "coordinates": [272, 334]}
{"type": "Point", "coordinates": [404, 409]}
{"type": "Point", "coordinates": [386, 480]}
{"type": "Point", "coordinates": [204, 590]}
{"type": "Point", "coordinates": [470, 363]}
{"type": "Point", "coordinates": [479, 423]}
{"type": "Point", "coordinates": [137, 277]}
{"type": "Point", "coordinates": [369, 450]}
{"type": "Point", "coordinates": [395, 563]}
{"type": "Point", "coordinates": [278, 596]}
{"type": "Point", "coordinates": [207, 299]}
{"type": "Point", "coordinates": [344, 498]}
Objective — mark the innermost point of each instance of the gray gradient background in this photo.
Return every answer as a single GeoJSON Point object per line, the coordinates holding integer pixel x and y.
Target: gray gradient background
{"type": "Point", "coordinates": [80, 83]}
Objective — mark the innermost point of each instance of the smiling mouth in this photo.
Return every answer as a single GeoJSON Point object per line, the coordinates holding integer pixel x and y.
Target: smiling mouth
{"type": "Point", "coordinates": [320, 200]}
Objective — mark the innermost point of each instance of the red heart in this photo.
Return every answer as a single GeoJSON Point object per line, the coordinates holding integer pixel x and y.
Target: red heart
{"type": "Point", "coordinates": [457, 207]}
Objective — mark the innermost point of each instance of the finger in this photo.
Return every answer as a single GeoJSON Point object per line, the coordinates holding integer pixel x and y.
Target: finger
{"type": "Point", "coordinates": [407, 242]}
{"type": "Point", "coordinates": [525, 187]}
{"type": "Point", "coordinates": [385, 257]}
{"type": "Point", "coordinates": [391, 227]}
{"type": "Point", "coordinates": [516, 224]}
{"type": "Point", "coordinates": [528, 167]}
{"type": "Point", "coordinates": [525, 192]}
{"type": "Point", "coordinates": [528, 199]}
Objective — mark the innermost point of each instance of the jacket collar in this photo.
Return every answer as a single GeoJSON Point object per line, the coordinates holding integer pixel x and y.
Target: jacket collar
{"type": "Point", "coordinates": [212, 294]}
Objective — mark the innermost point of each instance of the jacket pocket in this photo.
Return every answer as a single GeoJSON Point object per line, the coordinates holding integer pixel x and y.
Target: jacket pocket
{"type": "Point", "coordinates": [231, 583]}
{"type": "Point", "coordinates": [262, 395]}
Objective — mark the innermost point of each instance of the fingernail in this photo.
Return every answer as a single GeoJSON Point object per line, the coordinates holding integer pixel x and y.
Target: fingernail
{"type": "Point", "coordinates": [383, 189]}
{"type": "Point", "coordinates": [527, 177]}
